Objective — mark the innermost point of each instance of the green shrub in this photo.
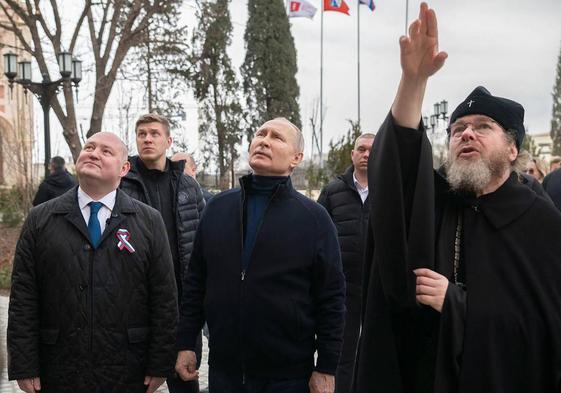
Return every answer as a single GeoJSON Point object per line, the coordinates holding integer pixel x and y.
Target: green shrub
{"type": "Point", "coordinates": [12, 206]}
{"type": "Point", "coordinates": [5, 276]}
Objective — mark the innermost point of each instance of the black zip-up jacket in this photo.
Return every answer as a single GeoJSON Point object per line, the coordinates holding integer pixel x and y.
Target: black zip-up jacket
{"type": "Point", "coordinates": [350, 216]}
{"type": "Point", "coordinates": [54, 185]}
{"type": "Point", "coordinates": [188, 207]}
{"type": "Point", "coordinates": [92, 320]}
{"type": "Point", "coordinates": [268, 320]}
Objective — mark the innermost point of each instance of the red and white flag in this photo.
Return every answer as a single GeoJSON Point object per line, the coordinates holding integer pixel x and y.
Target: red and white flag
{"type": "Point", "coordinates": [336, 5]}
{"type": "Point", "coordinates": [301, 8]}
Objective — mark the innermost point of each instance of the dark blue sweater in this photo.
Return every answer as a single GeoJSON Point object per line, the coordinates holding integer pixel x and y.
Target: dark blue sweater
{"type": "Point", "coordinates": [258, 194]}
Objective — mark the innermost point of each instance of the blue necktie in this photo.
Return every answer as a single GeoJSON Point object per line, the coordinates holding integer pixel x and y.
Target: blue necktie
{"type": "Point", "coordinates": [93, 224]}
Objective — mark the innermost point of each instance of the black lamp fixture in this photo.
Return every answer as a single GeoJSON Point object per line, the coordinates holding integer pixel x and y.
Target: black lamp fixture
{"type": "Point", "coordinates": [440, 114]}
{"type": "Point", "coordinates": [20, 73]}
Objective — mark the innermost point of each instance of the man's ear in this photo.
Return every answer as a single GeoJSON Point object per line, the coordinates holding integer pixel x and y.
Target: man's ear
{"type": "Point", "coordinates": [296, 160]}
{"type": "Point", "coordinates": [125, 168]}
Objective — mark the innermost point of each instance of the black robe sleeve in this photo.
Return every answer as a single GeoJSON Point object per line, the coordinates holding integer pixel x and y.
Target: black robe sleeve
{"type": "Point", "coordinates": [395, 352]}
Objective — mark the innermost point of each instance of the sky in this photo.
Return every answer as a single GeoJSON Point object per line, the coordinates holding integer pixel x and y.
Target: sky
{"type": "Point", "coordinates": [509, 46]}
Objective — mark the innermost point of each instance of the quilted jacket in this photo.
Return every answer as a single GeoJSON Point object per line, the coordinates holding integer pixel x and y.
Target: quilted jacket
{"type": "Point", "coordinates": [92, 320]}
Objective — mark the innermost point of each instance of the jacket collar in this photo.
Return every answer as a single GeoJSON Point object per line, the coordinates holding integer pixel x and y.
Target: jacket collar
{"type": "Point", "coordinates": [347, 177]}
{"type": "Point", "coordinates": [506, 204]}
{"type": "Point", "coordinates": [175, 167]}
{"type": "Point", "coordinates": [68, 204]}
{"type": "Point", "coordinates": [281, 188]}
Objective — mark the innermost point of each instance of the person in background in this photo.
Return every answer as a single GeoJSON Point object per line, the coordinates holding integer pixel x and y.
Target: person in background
{"type": "Point", "coordinates": [346, 201]}
{"type": "Point", "coordinates": [191, 170]}
{"type": "Point", "coordinates": [57, 183]}
{"type": "Point", "coordinates": [537, 168]}
{"type": "Point", "coordinates": [554, 163]}
{"type": "Point", "coordinates": [159, 182]}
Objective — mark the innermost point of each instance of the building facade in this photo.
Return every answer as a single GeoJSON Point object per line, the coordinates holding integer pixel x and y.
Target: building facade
{"type": "Point", "coordinates": [16, 120]}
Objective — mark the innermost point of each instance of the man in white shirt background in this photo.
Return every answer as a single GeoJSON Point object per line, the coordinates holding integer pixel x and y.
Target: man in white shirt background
{"type": "Point", "coordinates": [345, 199]}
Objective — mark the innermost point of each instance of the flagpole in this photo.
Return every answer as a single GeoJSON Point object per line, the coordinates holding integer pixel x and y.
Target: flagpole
{"type": "Point", "coordinates": [406, 15]}
{"type": "Point", "coordinates": [358, 57]}
{"type": "Point", "coordinates": [321, 93]}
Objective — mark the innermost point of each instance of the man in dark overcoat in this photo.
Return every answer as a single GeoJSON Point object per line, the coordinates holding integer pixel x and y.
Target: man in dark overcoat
{"type": "Point", "coordinates": [268, 282]}
{"type": "Point", "coordinates": [93, 302]}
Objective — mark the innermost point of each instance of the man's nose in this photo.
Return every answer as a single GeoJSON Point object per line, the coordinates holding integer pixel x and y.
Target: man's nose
{"type": "Point", "coordinates": [468, 133]}
{"type": "Point", "coordinates": [94, 154]}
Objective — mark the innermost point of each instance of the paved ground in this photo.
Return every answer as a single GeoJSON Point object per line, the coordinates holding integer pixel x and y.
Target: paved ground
{"type": "Point", "coordinates": [12, 387]}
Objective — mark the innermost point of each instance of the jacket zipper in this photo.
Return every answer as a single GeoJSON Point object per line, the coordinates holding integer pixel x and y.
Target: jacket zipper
{"type": "Point", "coordinates": [244, 271]}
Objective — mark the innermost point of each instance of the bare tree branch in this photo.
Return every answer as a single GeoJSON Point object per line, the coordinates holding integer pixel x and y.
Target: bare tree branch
{"type": "Point", "coordinates": [58, 27]}
{"type": "Point", "coordinates": [43, 22]}
{"type": "Point", "coordinates": [87, 5]}
{"type": "Point", "coordinates": [93, 38]}
{"type": "Point", "coordinates": [103, 22]}
{"type": "Point", "coordinates": [17, 31]}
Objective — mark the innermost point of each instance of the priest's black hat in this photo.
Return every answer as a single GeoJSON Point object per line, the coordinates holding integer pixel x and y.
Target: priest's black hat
{"type": "Point", "coordinates": [509, 114]}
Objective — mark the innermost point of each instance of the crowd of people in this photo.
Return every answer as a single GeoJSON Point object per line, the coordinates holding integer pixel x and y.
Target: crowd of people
{"type": "Point", "coordinates": [400, 278]}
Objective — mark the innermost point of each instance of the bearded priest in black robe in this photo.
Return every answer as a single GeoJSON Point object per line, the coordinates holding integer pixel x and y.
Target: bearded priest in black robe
{"type": "Point", "coordinates": [463, 271]}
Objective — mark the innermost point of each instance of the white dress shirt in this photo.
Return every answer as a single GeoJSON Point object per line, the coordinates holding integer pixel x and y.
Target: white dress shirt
{"type": "Point", "coordinates": [362, 191]}
{"type": "Point", "coordinates": [104, 213]}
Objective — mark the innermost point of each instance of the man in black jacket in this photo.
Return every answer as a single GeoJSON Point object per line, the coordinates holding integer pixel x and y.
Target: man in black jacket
{"type": "Point", "coordinates": [57, 183]}
{"type": "Point", "coordinates": [552, 186]}
{"type": "Point", "coordinates": [159, 182]}
{"type": "Point", "coordinates": [266, 275]}
{"type": "Point", "coordinates": [346, 201]}
{"type": "Point", "coordinates": [93, 303]}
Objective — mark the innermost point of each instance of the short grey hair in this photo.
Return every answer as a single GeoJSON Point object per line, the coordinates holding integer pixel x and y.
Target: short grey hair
{"type": "Point", "coordinates": [366, 135]}
{"type": "Point", "coordinates": [300, 144]}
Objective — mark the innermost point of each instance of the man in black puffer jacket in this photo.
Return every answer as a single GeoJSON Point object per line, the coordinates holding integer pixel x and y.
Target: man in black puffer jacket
{"type": "Point", "coordinates": [159, 182]}
{"type": "Point", "coordinates": [93, 308]}
{"type": "Point", "coordinates": [345, 199]}
{"type": "Point", "coordinates": [57, 183]}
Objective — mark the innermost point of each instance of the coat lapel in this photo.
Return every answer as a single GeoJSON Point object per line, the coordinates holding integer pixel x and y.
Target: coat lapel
{"type": "Point", "coordinates": [123, 206]}
{"type": "Point", "coordinates": [68, 205]}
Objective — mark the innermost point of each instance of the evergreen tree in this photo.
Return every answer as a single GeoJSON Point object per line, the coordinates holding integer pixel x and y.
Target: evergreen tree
{"type": "Point", "coordinates": [529, 145]}
{"type": "Point", "coordinates": [160, 57]}
{"type": "Point", "coordinates": [556, 112]}
{"type": "Point", "coordinates": [339, 156]}
{"type": "Point", "coordinates": [216, 88]}
{"type": "Point", "coordinates": [269, 69]}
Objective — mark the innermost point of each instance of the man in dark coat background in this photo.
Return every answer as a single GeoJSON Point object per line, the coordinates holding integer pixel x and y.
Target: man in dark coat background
{"type": "Point", "coordinates": [159, 182]}
{"type": "Point", "coordinates": [93, 305]}
{"type": "Point", "coordinates": [346, 201]}
{"type": "Point", "coordinates": [57, 183]}
{"type": "Point", "coordinates": [268, 282]}
{"type": "Point", "coordinates": [463, 292]}
{"type": "Point", "coordinates": [552, 186]}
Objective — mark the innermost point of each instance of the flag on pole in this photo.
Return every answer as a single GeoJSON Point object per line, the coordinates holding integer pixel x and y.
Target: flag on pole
{"type": "Point", "coordinates": [301, 8]}
{"type": "Point", "coordinates": [369, 3]}
{"type": "Point", "coordinates": [336, 5]}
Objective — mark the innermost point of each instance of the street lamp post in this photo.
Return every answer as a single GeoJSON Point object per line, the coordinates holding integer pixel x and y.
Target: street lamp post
{"type": "Point", "coordinates": [46, 90]}
{"type": "Point", "coordinates": [440, 114]}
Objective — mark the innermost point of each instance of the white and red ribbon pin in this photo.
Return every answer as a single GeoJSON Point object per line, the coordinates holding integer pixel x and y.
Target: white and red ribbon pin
{"type": "Point", "coordinates": [123, 235]}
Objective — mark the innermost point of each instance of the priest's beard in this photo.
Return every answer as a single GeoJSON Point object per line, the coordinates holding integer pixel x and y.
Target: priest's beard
{"type": "Point", "coordinates": [473, 175]}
